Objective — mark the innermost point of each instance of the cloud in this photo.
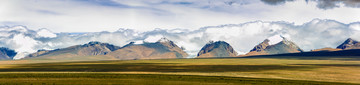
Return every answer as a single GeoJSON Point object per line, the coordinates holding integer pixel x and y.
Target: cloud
{"type": "Point", "coordinates": [322, 4]}
{"type": "Point", "coordinates": [315, 34]}
{"type": "Point", "coordinates": [48, 12]}
{"type": "Point", "coordinates": [275, 2]}
{"type": "Point", "coordinates": [146, 15]}
{"type": "Point", "coordinates": [331, 4]}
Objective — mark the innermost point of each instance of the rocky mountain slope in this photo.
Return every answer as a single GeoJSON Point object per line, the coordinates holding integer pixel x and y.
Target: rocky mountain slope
{"type": "Point", "coordinates": [162, 49]}
{"type": "Point", "coordinates": [283, 46]}
{"type": "Point", "coordinates": [216, 49]}
{"type": "Point", "coordinates": [349, 44]}
{"type": "Point", "coordinates": [90, 49]}
{"type": "Point", "coordinates": [6, 54]}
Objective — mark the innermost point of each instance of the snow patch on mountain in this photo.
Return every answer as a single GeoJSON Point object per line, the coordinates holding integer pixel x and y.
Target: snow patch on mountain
{"type": "Point", "coordinates": [275, 39]}
{"type": "Point", "coordinates": [154, 38]}
{"type": "Point", "coordinates": [139, 42]}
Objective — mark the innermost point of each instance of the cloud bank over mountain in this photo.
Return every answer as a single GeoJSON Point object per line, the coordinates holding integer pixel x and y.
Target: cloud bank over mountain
{"type": "Point", "coordinates": [243, 37]}
{"type": "Point", "coordinates": [99, 15]}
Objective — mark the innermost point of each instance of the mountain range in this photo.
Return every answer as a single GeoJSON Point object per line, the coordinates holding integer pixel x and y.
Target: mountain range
{"type": "Point", "coordinates": [162, 49]}
{"type": "Point", "coordinates": [242, 37]}
{"type": "Point", "coordinates": [90, 49]}
{"type": "Point", "coordinates": [167, 49]}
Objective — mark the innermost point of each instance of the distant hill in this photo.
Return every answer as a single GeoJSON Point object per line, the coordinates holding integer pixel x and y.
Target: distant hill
{"type": "Point", "coordinates": [313, 54]}
{"type": "Point", "coordinates": [277, 47]}
{"type": "Point", "coordinates": [349, 44]}
{"type": "Point", "coordinates": [38, 53]}
{"type": "Point", "coordinates": [162, 49]}
{"type": "Point", "coordinates": [327, 49]}
{"type": "Point", "coordinates": [216, 49]}
{"type": "Point", "coordinates": [6, 53]}
{"type": "Point", "coordinates": [90, 49]}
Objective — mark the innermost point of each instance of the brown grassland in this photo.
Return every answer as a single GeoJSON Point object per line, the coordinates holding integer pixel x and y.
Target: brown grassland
{"type": "Point", "coordinates": [262, 71]}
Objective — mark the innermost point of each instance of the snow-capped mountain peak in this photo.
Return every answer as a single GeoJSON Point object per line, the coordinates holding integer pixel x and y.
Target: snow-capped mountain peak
{"type": "Point", "coordinates": [45, 33]}
{"type": "Point", "coordinates": [163, 39]}
{"type": "Point", "coordinates": [152, 39]}
{"type": "Point", "coordinates": [275, 39]}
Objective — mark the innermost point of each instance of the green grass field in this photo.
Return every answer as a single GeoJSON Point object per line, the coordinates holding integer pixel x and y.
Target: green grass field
{"type": "Point", "coordinates": [260, 71]}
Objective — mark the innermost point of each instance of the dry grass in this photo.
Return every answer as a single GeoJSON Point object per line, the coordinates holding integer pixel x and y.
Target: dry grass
{"type": "Point", "coordinates": [344, 70]}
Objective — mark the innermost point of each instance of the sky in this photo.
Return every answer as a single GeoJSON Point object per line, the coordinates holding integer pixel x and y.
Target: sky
{"type": "Point", "coordinates": [147, 15]}
{"type": "Point", "coordinates": [30, 25]}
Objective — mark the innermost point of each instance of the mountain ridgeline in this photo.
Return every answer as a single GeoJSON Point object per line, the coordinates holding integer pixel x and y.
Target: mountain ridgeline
{"type": "Point", "coordinates": [284, 46]}
{"type": "Point", "coordinates": [162, 49]}
{"type": "Point", "coordinates": [167, 49]}
{"type": "Point", "coordinates": [216, 49]}
{"type": "Point", "coordinates": [89, 49]}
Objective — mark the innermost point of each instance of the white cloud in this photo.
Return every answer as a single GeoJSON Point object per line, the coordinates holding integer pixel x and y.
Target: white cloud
{"type": "Point", "coordinates": [318, 33]}
{"type": "Point", "coordinates": [145, 15]}
{"type": "Point", "coordinates": [355, 26]}
{"type": "Point", "coordinates": [23, 44]}
{"type": "Point", "coordinates": [179, 21]}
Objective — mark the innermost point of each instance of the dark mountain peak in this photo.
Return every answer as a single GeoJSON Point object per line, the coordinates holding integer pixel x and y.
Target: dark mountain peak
{"type": "Point", "coordinates": [39, 53]}
{"type": "Point", "coordinates": [164, 39]}
{"type": "Point", "coordinates": [261, 46]}
{"type": "Point", "coordinates": [217, 49]}
{"type": "Point", "coordinates": [285, 39]}
{"type": "Point", "coordinates": [129, 44]}
{"type": "Point", "coordinates": [350, 41]}
{"type": "Point", "coordinates": [217, 43]}
{"type": "Point", "coordinates": [98, 44]}
{"type": "Point", "coordinates": [349, 44]}
{"type": "Point", "coordinates": [210, 42]}
{"type": "Point", "coordinates": [42, 50]}
{"type": "Point", "coordinates": [6, 53]}
{"type": "Point", "coordinates": [93, 43]}
{"type": "Point", "coordinates": [266, 41]}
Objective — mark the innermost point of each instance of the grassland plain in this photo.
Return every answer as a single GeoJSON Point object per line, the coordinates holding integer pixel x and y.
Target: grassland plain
{"type": "Point", "coordinates": [263, 71]}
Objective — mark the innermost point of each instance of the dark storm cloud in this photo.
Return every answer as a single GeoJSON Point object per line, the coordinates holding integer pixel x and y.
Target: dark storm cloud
{"type": "Point", "coordinates": [275, 2]}
{"type": "Point", "coordinates": [322, 4]}
{"type": "Point", "coordinates": [330, 4]}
